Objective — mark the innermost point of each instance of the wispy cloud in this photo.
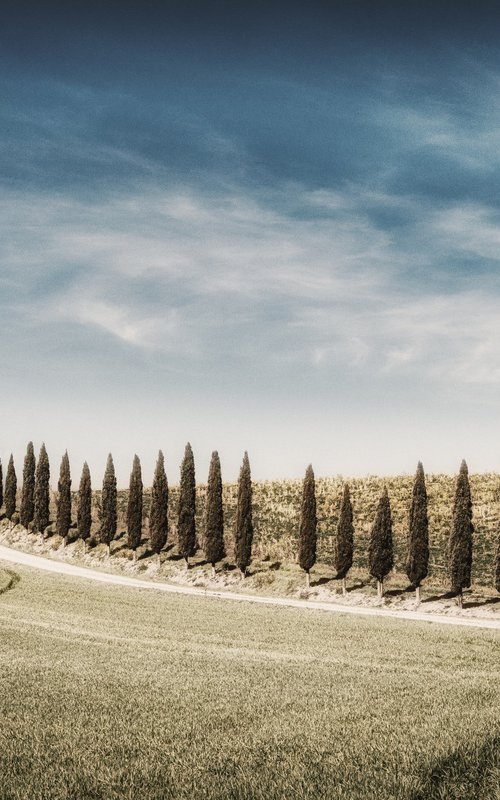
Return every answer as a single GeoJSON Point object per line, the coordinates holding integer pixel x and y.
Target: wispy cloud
{"type": "Point", "coordinates": [182, 272]}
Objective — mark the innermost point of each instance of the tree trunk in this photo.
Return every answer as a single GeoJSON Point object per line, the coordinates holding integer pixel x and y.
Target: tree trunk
{"type": "Point", "coordinates": [213, 570]}
{"type": "Point", "coordinates": [187, 562]}
{"type": "Point", "coordinates": [109, 550]}
{"type": "Point", "coordinates": [159, 559]}
{"type": "Point", "coordinates": [380, 589]}
{"type": "Point", "coordinates": [417, 595]}
{"type": "Point", "coordinates": [308, 579]}
{"type": "Point", "coordinates": [84, 547]}
{"type": "Point", "coordinates": [243, 573]}
{"type": "Point", "coordinates": [344, 589]}
{"type": "Point", "coordinates": [134, 560]}
{"type": "Point", "coordinates": [459, 600]}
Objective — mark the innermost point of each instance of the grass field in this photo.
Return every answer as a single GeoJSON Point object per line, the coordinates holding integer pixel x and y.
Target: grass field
{"type": "Point", "coordinates": [109, 692]}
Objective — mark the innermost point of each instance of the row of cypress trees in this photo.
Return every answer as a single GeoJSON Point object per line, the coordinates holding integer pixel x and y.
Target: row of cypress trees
{"type": "Point", "coordinates": [35, 496]}
{"type": "Point", "coordinates": [381, 552]}
{"type": "Point", "coordinates": [34, 513]}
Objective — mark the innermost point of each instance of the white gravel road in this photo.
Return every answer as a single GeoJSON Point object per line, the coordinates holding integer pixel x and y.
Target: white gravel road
{"type": "Point", "coordinates": [38, 562]}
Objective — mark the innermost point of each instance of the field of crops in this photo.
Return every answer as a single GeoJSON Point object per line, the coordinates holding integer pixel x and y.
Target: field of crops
{"type": "Point", "coordinates": [111, 692]}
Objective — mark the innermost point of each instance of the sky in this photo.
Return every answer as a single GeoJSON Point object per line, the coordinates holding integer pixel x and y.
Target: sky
{"type": "Point", "coordinates": [272, 228]}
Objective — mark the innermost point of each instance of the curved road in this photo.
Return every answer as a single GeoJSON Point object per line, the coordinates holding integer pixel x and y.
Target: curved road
{"type": "Point", "coordinates": [63, 568]}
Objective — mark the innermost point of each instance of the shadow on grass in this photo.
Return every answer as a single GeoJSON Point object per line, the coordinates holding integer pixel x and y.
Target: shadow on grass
{"type": "Point", "coordinates": [121, 546]}
{"type": "Point", "coordinates": [14, 580]}
{"type": "Point", "coordinates": [358, 585]}
{"type": "Point", "coordinates": [321, 581]}
{"type": "Point", "coordinates": [443, 596]}
{"type": "Point", "coordinates": [487, 602]}
{"type": "Point", "coordinates": [399, 592]}
{"type": "Point", "coordinates": [467, 772]}
{"type": "Point", "coordinates": [254, 570]}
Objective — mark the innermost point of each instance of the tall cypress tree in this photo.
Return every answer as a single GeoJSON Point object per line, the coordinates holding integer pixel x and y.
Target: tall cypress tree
{"type": "Point", "coordinates": [158, 515]}
{"type": "Point", "coordinates": [27, 508]}
{"type": "Point", "coordinates": [108, 505]}
{"type": "Point", "coordinates": [460, 541]}
{"type": "Point", "coordinates": [63, 521]}
{"type": "Point", "coordinates": [243, 534]}
{"type": "Point", "coordinates": [84, 511]}
{"type": "Point", "coordinates": [308, 523]}
{"type": "Point", "coordinates": [213, 543]}
{"type": "Point", "coordinates": [381, 556]}
{"type": "Point", "coordinates": [186, 524]}
{"type": "Point", "coordinates": [345, 538]}
{"type": "Point", "coordinates": [134, 507]}
{"type": "Point", "coordinates": [417, 562]}
{"type": "Point", "coordinates": [41, 516]}
{"type": "Point", "coordinates": [10, 489]}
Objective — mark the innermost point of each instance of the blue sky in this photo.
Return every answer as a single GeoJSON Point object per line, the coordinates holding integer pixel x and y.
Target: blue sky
{"type": "Point", "coordinates": [275, 230]}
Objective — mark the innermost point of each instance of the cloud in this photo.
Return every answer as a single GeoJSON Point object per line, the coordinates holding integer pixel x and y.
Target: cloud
{"type": "Point", "coordinates": [298, 278]}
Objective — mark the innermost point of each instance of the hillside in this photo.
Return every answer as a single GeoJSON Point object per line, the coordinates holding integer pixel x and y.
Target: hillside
{"type": "Point", "coordinates": [276, 515]}
{"type": "Point", "coordinates": [277, 504]}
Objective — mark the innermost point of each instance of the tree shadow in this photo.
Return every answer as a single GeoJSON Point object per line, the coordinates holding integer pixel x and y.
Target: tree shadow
{"type": "Point", "coordinates": [121, 546]}
{"type": "Point", "coordinates": [251, 571]}
{"type": "Point", "coordinates": [321, 581]}
{"type": "Point", "coordinates": [443, 596]}
{"type": "Point", "coordinates": [358, 585]}
{"type": "Point", "coordinates": [487, 602]}
{"type": "Point", "coordinates": [399, 592]}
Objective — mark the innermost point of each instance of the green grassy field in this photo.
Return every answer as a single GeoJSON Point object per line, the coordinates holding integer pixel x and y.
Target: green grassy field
{"type": "Point", "coordinates": [109, 692]}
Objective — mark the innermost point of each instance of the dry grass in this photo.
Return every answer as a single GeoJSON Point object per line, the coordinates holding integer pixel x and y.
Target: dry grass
{"type": "Point", "coordinates": [110, 693]}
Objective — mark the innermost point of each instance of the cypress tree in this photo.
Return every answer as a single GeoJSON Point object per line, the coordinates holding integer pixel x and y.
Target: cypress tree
{"type": "Point", "coordinates": [381, 558]}
{"type": "Point", "coordinates": [84, 511]}
{"type": "Point", "coordinates": [213, 543]}
{"type": "Point", "coordinates": [345, 538]}
{"type": "Point", "coordinates": [308, 523]}
{"type": "Point", "coordinates": [41, 517]}
{"type": "Point", "coordinates": [460, 542]}
{"type": "Point", "coordinates": [158, 516]}
{"type": "Point", "coordinates": [244, 523]}
{"type": "Point", "coordinates": [134, 507]}
{"type": "Point", "coordinates": [10, 489]}
{"type": "Point", "coordinates": [63, 521]}
{"type": "Point", "coordinates": [27, 508]}
{"type": "Point", "coordinates": [108, 505]}
{"type": "Point", "coordinates": [186, 524]}
{"type": "Point", "coordinates": [418, 534]}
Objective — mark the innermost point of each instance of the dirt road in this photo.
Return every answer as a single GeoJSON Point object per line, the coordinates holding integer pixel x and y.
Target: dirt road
{"type": "Point", "coordinates": [38, 562]}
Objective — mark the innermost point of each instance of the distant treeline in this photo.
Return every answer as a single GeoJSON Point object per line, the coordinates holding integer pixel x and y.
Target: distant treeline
{"type": "Point", "coordinates": [434, 525]}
